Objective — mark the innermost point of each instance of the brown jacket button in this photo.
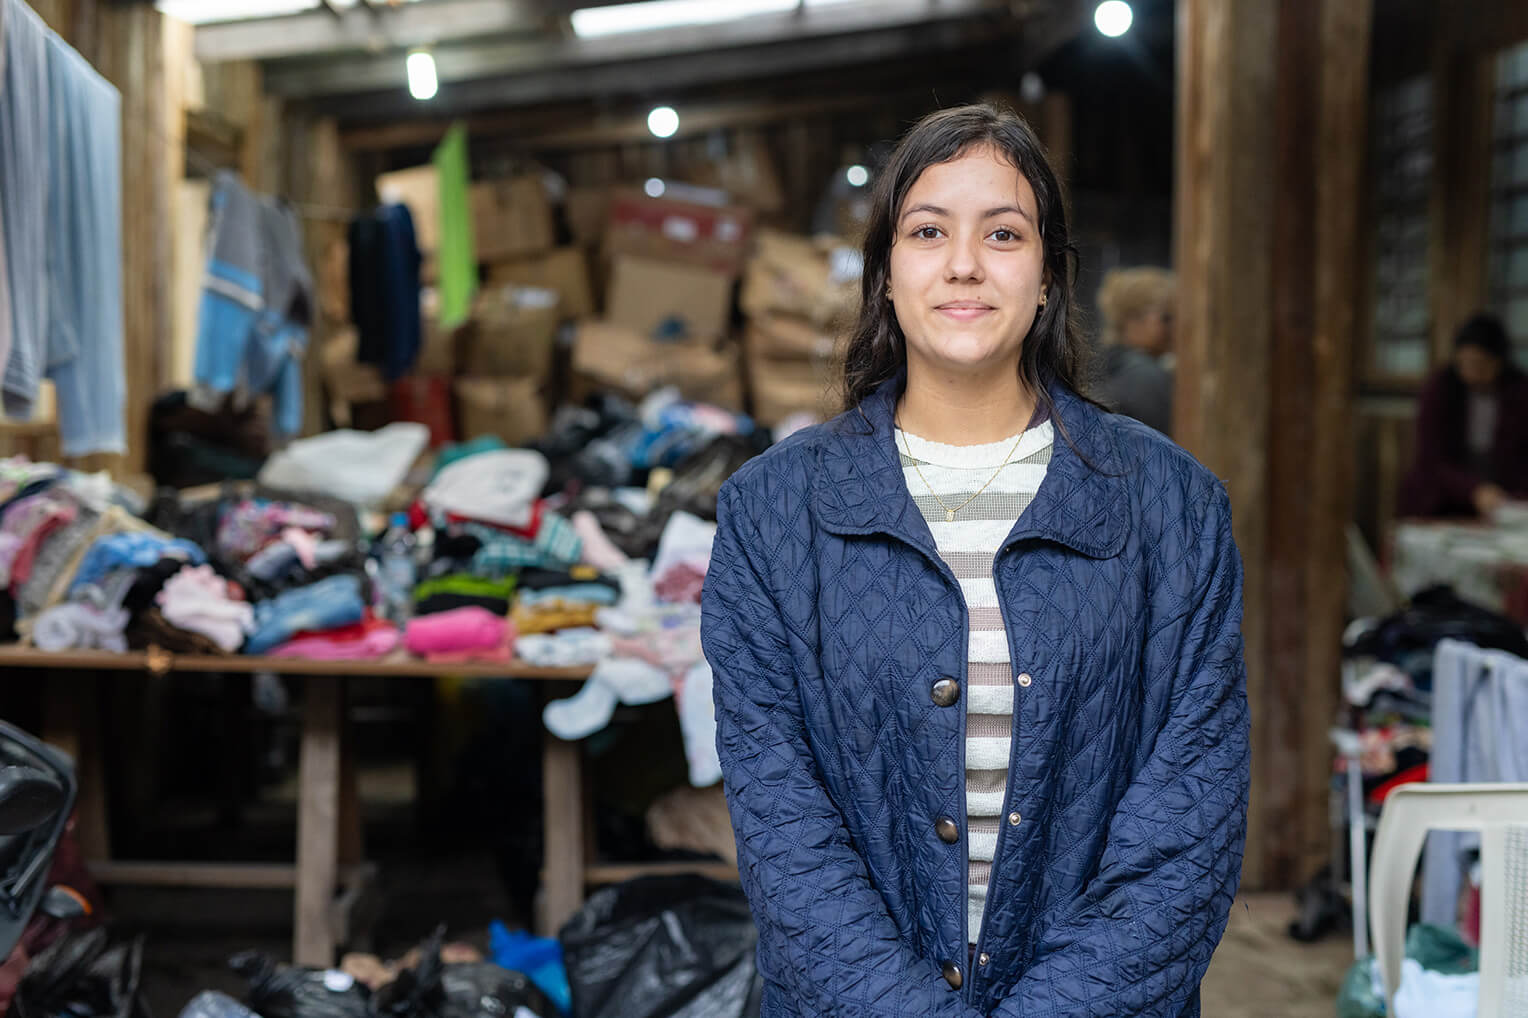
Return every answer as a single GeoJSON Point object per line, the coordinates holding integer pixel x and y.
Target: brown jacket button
{"type": "Point", "coordinates": [946, 693]}
{"type": "Point", "coordinates": [952, 975]}
{"type": "Point", "coordinates": [948, 831]}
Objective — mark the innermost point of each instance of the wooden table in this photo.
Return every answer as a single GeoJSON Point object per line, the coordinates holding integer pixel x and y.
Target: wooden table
{"type": "Point", "coordinates": [329, 845]}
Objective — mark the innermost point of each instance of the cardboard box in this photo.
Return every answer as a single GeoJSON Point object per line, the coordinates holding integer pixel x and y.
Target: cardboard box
{"type": "Point", "coordinates": [786, 337]}
{"type": "Point", "coordinates": [818, 280]}
{"type": "Point", "coordinates": [512, 333]}
{"type": "Point", "coordinates": [511, 218]}
{"type": "Point", "coordinates": [419, 188]}
{"type": "Point", "coordinates": [565, 270]}
{"type": "Point", "coordinates": [711, 236]}
{"type": "Point", "coordinates": [511, 408]}
{"type": "Point", "coordinates": [611, 356]}
{"type": "Point", "coordinates": [588, 213]}
{"type": "Point", "coordinates": [669, 300]}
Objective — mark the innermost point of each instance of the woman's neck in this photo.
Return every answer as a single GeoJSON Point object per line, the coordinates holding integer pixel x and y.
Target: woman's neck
{"type": "Point", "coordinates": [969, 411]}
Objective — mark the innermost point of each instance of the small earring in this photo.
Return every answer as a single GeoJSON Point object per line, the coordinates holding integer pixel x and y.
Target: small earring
{"type": "Point", "coordinates": [1042, 300]}
{"type": "Point", "coordinates": [888, 291]}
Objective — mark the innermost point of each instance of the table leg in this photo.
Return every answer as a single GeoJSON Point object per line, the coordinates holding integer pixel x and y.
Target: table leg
{"type": "Point", "coordinates": [72, 722]}
{"type": "Point", "coordinates": [318, 822]}
{"type": "Point", "coordinates": [562, 832]}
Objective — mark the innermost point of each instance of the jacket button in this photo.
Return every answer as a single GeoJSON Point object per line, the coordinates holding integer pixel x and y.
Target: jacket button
{"type": "Point", "coordinates": [947, 830]}
{"type": "Point", "coordinates": [983, 958]}
{"type": "Point", "coordinates": [1024, 680]}
{"type": "Point", "coordinates": [952, 975]}
{"type": "Point", "coordinates": [1014, 819]}
{"type": "Point", "coordinates": [946, 692]}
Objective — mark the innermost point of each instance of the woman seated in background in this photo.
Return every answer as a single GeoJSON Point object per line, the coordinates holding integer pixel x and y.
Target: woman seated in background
{"type": "Point", "coordinates": [1472, 429]}
{"type": "Point", "coordinates": [1133, 379]}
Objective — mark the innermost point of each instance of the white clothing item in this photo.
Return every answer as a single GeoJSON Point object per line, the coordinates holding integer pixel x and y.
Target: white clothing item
{"type": "Point", "coordinates": [76, 626]}
{"type": "Point", "coordinates": [614, 680]}
{"type": "Point", "coordinates": [362, 467]}
{"type": "Point", "coordinates": [496, 487]}
{"type": "Point", "coordinates": [686, 538]}
{"type": "Point", "coordinates": [566, 648]}
{"type": "Point", "coordinates": [697, 720]}
{"type": "Point", "coordinates": [196, 600]}
{"type": "Point", "coordinates": [1424, 993]}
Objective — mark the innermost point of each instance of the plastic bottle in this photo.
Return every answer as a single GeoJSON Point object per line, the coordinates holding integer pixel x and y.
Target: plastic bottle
{"type": "Point", "coordinates": [398, 573]}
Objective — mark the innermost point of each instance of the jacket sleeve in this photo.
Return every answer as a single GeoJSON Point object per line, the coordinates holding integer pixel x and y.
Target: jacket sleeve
{"type": "Point", "coordinates": [1138, 941]}
{"type": "Point", "coordinates": [825, 937]}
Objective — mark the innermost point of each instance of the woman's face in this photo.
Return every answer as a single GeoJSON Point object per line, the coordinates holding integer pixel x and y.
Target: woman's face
{"type": "Point", "coordinates": [967, 265]}
{"type": "Point", "coordinates": [1477, 367]}
{"type": "Point", "coordinates": [1151, 330]}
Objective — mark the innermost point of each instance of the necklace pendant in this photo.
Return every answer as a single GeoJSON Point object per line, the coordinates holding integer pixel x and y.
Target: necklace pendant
{"type": "Point", "coordinates": [949, 516]}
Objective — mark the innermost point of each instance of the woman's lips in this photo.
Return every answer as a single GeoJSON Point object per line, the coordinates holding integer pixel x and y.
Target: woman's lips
{"type": "Point", "coordinates": [962, 311]}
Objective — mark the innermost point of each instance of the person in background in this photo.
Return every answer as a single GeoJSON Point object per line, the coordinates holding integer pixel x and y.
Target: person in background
{"type": "Point", "coordinates": [1472, 429]}
{"type": "Point", "coordinates": [1133, 376]}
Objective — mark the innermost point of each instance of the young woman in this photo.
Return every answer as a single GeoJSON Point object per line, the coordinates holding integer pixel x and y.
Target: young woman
{"type": "Point", "coordinates": [980, 696]}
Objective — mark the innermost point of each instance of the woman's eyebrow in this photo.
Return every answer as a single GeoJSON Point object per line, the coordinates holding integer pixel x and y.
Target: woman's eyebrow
{"type": "Point", "coordinates": [1001, 210]}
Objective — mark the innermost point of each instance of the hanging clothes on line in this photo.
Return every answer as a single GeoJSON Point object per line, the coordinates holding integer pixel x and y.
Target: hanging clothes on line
{"type": "Point", "coordinates": [384, 289]}
{"type": "Point", "coordinates": [61, 203]}
{"type": "Point", "coordinates": [256, 306]}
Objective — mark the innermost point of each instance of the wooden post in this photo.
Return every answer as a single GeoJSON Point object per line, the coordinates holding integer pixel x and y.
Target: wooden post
{"type": "Point", "coordinates": [563, 833]}
{"type": "Point", "coordinates": [318, 821]}
{"type": "Point", "coordinates": [72, 722]}
{"type": "Point", "coordinates": [1272, 103]}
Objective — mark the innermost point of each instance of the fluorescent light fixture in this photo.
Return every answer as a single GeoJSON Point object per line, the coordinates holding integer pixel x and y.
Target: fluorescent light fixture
{"type": "Point", "coordinates": [423, 84]}
{"type": "Point", "coordinates": [857, 175]}
{"type": "Point", "coordinates": [593, 22]}
{"type": "Point", "coordinates": [654, 187]}
{"type": "Point", "coordinates": [663, 121]}
{"type": "Point", "coordinates": [211, 12]}
{"type": "Point", "coordinates": [1113, 18]}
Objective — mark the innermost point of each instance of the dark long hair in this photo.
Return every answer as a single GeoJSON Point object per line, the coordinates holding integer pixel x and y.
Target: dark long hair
{"type": "Point", "coordinates": [1054, 350]}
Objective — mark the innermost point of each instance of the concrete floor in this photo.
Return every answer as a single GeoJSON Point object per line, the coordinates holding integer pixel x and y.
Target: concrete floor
{"type": "Point", "coordinates": [1259, 971]}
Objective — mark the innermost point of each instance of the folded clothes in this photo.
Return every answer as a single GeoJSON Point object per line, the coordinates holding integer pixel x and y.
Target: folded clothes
{"type": "Point", "coordinates": [366, 640]}
{"type": "Point", "coordinates": [109, 591]}
{"type": "Point", "coordinates": [249, 525]}
{"type": "Point", "coordinates": [502, 653]}
{"type": "Point", "coordinates": [149, 582]}
{"type": "Point", "coordinates": [498, 486]}
{"type": "Point", "coordinates": [149, 628]}
{"type": "Point", "coordinates": [574, 594]}
{"type": "Point", "coordinates": [437, 603]}
{"type": "Point", "coordinates": [682, 581]}
{"type": "Point", "coordinates": [552, 615]}
{"type": "Point", "coordinates": [462, 629]}
{"type": "Point", "coordinates": [131, 551]}
{"type": "Point", "coordinates": [199, 600]}
{"type": "Point", "coordinates": [32, 519]}
{"type": "Point", "coordinates": [567, 648]}
{"type": "Point", "coordinates": [527, 529]}
{"type": "Point", "coordinates": [328, 604]}
{"type": "Point", "coordinates": [76, 626]}
{"type": "Point", "coordinates": [535, 578]}
{"type": "Point", "coordinates": [468, 584]}
{"type": "Point", "coordinates": [10, 544]}
{"type": "Point", "coordinates": [556, 545]}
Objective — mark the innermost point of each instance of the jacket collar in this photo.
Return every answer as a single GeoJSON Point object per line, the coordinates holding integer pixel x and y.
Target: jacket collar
{"type": "Point", "coordinates": [1082, 503]}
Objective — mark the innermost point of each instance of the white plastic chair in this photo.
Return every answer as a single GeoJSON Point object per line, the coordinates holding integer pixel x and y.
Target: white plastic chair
{"type": "Point", "coordinates": [1500, 813]}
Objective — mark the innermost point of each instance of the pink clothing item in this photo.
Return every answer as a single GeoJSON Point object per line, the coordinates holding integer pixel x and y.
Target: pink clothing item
{"type": "Point", "coordinates": [304, 543]}
{"type": "Point", "coordinates": [457, 630]}
{"type": "Point", "coordinates": [197, 600]}
{"type": "Point", "coordinates": [32, 519]}
{"type": "Point", "coordinates": [482, 655]}
{"type": "Point", "coordinates": [681, 582]}
{"type": "Point", "coordinates": [598, 552]}
{"type": "Point", "coordinates": [10, 544]}
{"type": "Point", "coordinates": [379, 640]}
{"type": "Point", "coordinates": [674, 651]}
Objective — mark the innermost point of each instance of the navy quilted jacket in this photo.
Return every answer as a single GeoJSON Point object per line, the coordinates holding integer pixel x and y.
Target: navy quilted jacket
{"type": "Point", "coordinates": [828, 616]}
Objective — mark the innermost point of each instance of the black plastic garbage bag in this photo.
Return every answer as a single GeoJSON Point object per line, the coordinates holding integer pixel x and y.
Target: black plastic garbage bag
{"type": "Point", "coordinates": [663, 947]}
{"type": "Point", "coordinates": [288, 991]}
{"type": "Point", "coordinates": [86, 975]}
{"type": "Point", "coordinates": [476, 990]}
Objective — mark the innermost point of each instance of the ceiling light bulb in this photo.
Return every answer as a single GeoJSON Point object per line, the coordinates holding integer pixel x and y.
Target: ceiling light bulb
{"type": "Point", "coordinates": [857, 175]}
{"type": "Point", "coordinates": [1113, 18]}
{"type": "Point", "coordinates": [423, 84]}
{"type": "Point", "coordinates": [663, 121]}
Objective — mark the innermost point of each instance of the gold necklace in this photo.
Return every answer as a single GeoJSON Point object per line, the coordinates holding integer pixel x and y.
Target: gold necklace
{"type": "Point", "coordinates": [949, 514]}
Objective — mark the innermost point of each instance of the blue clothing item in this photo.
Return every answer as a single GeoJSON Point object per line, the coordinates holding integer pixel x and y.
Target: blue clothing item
{"type": "Point", "coordinates": [328, 604]}
{"type": "Point", "coordinates": [252, 325]}
{"type": "Point", "coordinates": [25, 179]}
{"type": "Point", "coordinates": [85, 323]}
{"type": "Point", "coordinates": [400, 290]}
{"type": "Point", "coordinates": [828, 615]}
{"type": "Point", "coordinates": [130, 551]}
{"type": "Point", "coordinates": [1480, 734]}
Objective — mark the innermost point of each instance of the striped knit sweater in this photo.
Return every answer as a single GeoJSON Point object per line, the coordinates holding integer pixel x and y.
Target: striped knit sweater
{"type": "Point", "coordinates": [968, 546]}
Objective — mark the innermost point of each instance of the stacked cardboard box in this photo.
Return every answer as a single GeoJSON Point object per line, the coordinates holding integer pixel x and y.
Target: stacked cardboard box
{"type": "Point", "coordinates": [674, 265]}
{"type": "Point", "coordinates": [799, 295]}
